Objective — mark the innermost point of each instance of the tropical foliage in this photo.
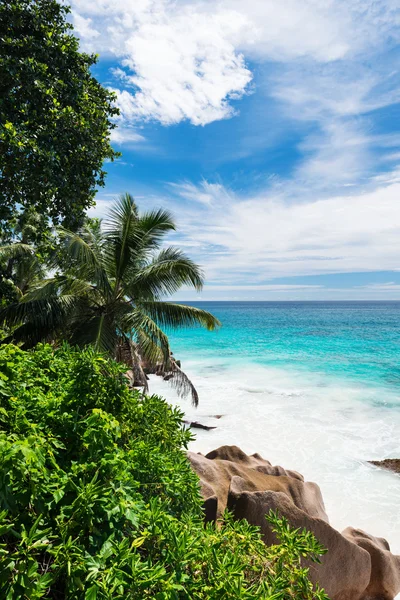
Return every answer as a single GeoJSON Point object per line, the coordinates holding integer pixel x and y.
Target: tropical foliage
{"type": "Point", "coordinates": [107, 291]}
{"type": "Point", "coordinates": [55, 118]}
{"type": "Point", "coordinates": [98, 501]}
{"type": "Point", "coordinates": [23, 256]}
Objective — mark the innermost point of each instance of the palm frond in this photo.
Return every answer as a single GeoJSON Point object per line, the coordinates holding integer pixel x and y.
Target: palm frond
{"type": "Point", "coordinates": [37, 320]}
{"type": "Point", "coordinates": [27, 271]}
{"type": "Point", "coordinates": [153, 346]}
{"type": "Point", "coordinates": [97, 330]}
{"type": "Point", "coordinates": [121, 234]}
{"type": "Point", "coordinates": [153, 357]}
{"type": "Point", "coordinates": [153, 226]}
{"type": "Point", "coordinates": [165, 275]}
{"type": "Point", "coordinates": [174, 316]}
{"type": "Point", "coordinates": [46, 288]}
{"type": "Point", "coordinates": [61, 285]}
{"type": "Point", "coordinates": [28, 335]}
{"type": "Point", "coordinates": [21, 265]}
{"type": "Point", "coordinates": [122, 209]}
{"type": "Point", "coordinates": [83, 253]}
{"type": "Point", "coordinates": [143, 327]}
{"type": "Point", "coordinates": [182, 384]}
{"type": "Point", "coordinates": [14, 289]}
{"type": "Point", "coordinates": [150, 352]}
{"type": "Point", "coordinates": [17, 250]}
{"type": "Point", "coordinates": [77, 249]}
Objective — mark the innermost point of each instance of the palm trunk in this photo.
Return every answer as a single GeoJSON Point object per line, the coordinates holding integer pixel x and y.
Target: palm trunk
{"type": "Point", "coordinates": [127, 353]}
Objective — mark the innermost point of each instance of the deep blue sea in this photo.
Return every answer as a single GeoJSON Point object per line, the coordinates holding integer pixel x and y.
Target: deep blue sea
{"type": "Point", "coordinates": [314, 386]}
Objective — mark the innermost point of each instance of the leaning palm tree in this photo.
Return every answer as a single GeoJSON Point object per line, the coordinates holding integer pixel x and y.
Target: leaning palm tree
{"type": "Point", "coordinates": [107, 291]}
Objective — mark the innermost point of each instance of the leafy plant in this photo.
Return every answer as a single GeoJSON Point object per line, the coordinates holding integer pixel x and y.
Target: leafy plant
{"type": "Point", "coordinates": [98, 501]}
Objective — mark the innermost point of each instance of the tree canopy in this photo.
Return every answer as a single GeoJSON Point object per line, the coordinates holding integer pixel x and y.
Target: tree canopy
{"type": "Point", "coordinates": [55, 117]}
{"type": "Point", "coordinates": [107, 289]}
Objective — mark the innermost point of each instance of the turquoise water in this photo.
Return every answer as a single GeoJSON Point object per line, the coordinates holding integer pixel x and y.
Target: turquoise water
{"type": "Point", "coordinates": [357, 341]}
{"type": "Point", "coordinates": [314, 387]}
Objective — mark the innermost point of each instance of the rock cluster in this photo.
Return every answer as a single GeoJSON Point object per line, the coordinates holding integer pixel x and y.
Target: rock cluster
{"type": "Point", "coordinates": [357, 565]}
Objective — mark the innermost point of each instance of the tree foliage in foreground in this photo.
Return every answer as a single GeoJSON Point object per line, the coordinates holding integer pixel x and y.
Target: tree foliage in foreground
{"type": "Point", "coordinates": [98, 501]}
{"type": "Point", "coordinates": [107, 290]}
{"type": "Point", "coordinates": [55, 117]}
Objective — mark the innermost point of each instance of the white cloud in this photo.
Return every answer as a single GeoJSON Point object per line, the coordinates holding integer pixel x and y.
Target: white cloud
{"type": "Point", "coordinates": [186, 68]}
{"type": "Point", "coordinates": [338, 155]}
{"type": "Point", "coordinates": [245, 242]}
{"type": "Point", "coordinates": [321, 65]}
{"type": "Point", "coordinates": [185, 60]}
{"type": "Point", "coordinates": [101, 208]}
{"type": "Point", "coordinates": [273, 287]}
{"type": "Point", "coordinates": [205, 193]}
{"type": "Point", "coordinates": [383, 287]}
{"type": "Point", "coordinates": [258, 238]}
{"type": "Point", "coordinates": [84, 28]}
{"type": "Point", "coordinates": [293, 29]}
{"type": "Point", "coordinates": [180, 61]}
{"type": "Point", "coordinates": [291, 293]}
{"type": "Point", "coordinates": [317, 91]}
{"type": "Point", "coordinates": [125, 135]}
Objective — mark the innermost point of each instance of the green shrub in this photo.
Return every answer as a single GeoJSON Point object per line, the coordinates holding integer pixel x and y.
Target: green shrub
{"type": "Point", "coordinates": [98, 501]}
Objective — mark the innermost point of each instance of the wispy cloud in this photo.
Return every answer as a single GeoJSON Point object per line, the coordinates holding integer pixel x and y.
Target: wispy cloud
{"type": "Point", "coordinates": [205, 193]}
{"type": "Point", "coordinates": [383, 287]}
{"type": "Point", "coordinates": [323, 70]}
{"type": "Point", "coordinates": [245, 243]}
{"type": "Point", "coordinates": [263, 288]}
{"type": "Point", "coordinates": [253, 239]}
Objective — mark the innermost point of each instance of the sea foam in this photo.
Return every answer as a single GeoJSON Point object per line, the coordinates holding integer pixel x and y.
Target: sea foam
{"type": "Point", "coordinates": [324, 428]}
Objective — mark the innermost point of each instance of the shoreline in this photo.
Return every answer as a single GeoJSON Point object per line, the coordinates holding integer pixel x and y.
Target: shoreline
{"type": "Point", "coordinates": [326, 434]}
{"type": "Point", "coordinates": [356, 566]}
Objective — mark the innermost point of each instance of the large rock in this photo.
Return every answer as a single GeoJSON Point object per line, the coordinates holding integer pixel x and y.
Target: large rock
{"type": "Point", "coordinates": [344, 571]}
{"type": "Point", "coordinates": [357, 566]}
{"type": "Point", "coordinates": [385, 567]}
{"type": "Point", "coordinates": [217, 468]}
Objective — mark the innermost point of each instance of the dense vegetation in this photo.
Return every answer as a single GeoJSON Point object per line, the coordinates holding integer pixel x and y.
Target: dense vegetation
{"type": "Point", "coordinates": [23, 257]}
{"type": "Point", "coordinates": [55, 117]}
{"type": "Point", "coordinates": [97, 499]}
{"type": "Point", "coordinates": [106, 288]}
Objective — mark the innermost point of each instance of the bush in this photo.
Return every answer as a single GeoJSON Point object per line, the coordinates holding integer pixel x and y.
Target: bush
{"type": "Point", "coordinates": [98, 500]}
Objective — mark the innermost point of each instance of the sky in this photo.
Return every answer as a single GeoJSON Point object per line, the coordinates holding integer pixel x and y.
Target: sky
{"type": "Point", "coordinates": [269, 128]}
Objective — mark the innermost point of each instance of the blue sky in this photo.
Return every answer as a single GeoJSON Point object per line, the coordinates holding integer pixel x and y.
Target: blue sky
{"type": "Point", "coordinates": [270, 129]}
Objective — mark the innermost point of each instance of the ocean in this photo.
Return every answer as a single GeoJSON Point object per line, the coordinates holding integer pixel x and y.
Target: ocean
{"type": "Point", "coordinates": [312, 386]}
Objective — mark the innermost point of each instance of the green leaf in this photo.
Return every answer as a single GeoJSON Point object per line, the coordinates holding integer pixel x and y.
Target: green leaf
{"type": "Point", "coordinates": [91, 593]}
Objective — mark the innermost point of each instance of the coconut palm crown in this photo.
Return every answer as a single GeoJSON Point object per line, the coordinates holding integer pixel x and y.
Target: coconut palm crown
{"type": "Point", "coordinates": [107, 291]}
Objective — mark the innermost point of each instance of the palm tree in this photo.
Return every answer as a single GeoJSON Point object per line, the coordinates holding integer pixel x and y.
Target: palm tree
{"type": "Point", "coordinates": [107, 291]}
{"type": "Point", "coordinates": [20, 266]}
